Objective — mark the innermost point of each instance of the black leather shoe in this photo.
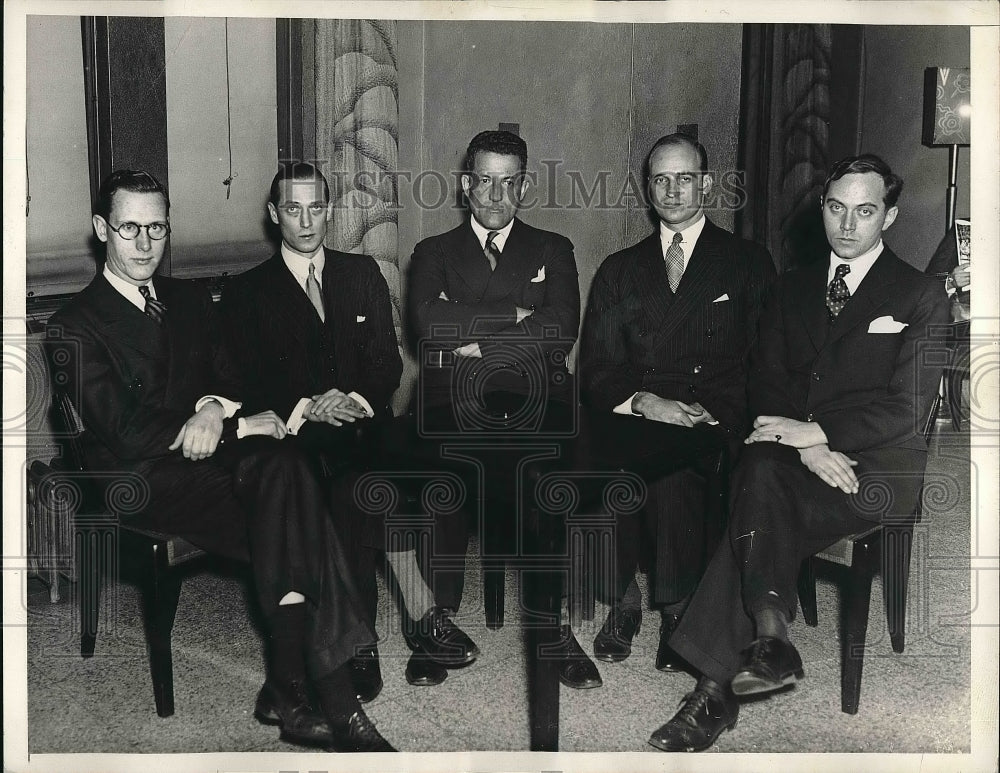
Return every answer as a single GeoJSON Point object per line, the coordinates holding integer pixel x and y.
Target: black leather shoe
{"type": "Point", "coordinates": [770, 664]}
{"type": "Point", "coordinates": [666, 658]}
{"type": "Point", "coordinates": [700, 720]}
{"type": "Point", "coordinates": [576, 670]}
{"type": "Point", "coordinates": [613, 642]}
{"type": "Point", "coordinates": [288, 705]}
{"type": "Point", "coordinates": [421, 671]}
{"type": "Point", "coordinates": [437, 636]}
{"type": "Point", "coordinates": [366, 675]}
{"type": "Point", "coordinates": [358, 734]}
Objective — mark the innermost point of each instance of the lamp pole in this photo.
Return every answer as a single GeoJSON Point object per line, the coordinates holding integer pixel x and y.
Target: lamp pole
{"type": "Point", "coordinates": [952, 186]}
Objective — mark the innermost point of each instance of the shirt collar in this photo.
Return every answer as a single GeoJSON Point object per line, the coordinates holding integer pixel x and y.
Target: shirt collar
{"type": "Point", "coordinates": [299, 264]}
{"type": "Point", "coordinates": [128, 290]}
{"type": "Point", "coordinates": [859, 266]}
{"type": "Point", "coordinates": [483, 233]}
{"type": "Point", "coordinates": [689, 236]}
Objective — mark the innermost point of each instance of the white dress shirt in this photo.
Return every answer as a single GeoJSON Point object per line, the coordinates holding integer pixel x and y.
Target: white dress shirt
{"type": "Point", "coordinates": [859, 266]}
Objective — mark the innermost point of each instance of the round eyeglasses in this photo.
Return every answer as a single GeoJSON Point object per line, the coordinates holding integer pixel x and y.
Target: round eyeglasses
{"type": "Point", "coordinates": [129, 230]}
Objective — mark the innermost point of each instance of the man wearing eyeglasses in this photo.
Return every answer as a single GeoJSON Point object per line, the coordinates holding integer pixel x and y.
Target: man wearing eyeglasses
{"type": "Point", "coordinates": [666, 336]}
{"type": "Point", "coordinates": [157, 396]}
{"type": "Point", "coordinates": [495, 307]}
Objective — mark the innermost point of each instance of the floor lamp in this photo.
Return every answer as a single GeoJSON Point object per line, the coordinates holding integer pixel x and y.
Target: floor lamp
{"type": "Point", "coordinates": [947, 118]}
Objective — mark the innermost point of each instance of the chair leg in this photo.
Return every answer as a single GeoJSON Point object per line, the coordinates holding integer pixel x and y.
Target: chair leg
{"type": "Point", "coordinates": [807, 592]}
{"type": "Point", "coordinates": [96, 538]}
{"type": "Point", "coordinates": [955, 376]}
{"type": "Point", "coordinates": [897, 542]}
{"type": "Point", "coordinates": [162, 593]}
{"type": "Point", "coordinates": [856, 606]}
{"type": "Point", "coordinates": [493, 592]}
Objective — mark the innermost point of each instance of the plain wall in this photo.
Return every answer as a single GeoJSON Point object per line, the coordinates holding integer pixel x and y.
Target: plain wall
{"type": "Point", "coordinates": [58, 224]}
{"type": "Point", "coordinates": [892, 127]}
{"type": "Point", "coordinates": [212, 233]}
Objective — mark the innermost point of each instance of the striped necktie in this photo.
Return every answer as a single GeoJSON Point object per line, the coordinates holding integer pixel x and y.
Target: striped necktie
{"type": "Point", "coordinates": [492, 253]}
{"type": "Point", "coordinates": [155, 310]}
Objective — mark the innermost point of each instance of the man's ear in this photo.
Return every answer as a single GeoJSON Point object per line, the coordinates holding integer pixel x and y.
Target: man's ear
{"type": "Point", "coordinates": [523, 187]}
{"type": "Point", "coordinates": [466, 182]}
{"type": "Point", "coordinates": [890, 217]}
{"type": "Point", "coordinates": [273, 212]}
{"type": "Point", "coordinates": [707, 181]}
{"type": "Point", "coordinates": [100, 227]}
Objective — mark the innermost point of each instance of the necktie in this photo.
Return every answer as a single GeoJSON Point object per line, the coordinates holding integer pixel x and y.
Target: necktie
{"type": "Point", "coordinates": [155, 310]}
{"type": "Point", "coordinates": [312, 290]}
{"type": "Point", "coordinates": [675, 262]}
{"type": "Point", "coordinates": [492, 253]}
{"type": "Point", "coordinates": [837, 294]}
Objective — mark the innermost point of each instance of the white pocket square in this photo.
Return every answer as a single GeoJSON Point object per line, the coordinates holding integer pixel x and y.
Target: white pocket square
{"type": "Point", "coordinates": [721, 298]}
{"type": "Point", "coordinates": [361, 319]}
{"type": "Point", "coordinates": [886, 325]}
{"type": "Point", "coordinates": [540, 276]}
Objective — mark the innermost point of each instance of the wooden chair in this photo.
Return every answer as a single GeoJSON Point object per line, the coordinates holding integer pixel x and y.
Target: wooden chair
{"type": "Point", "coordinates": [100, 539]}
{"type": "Point", "coordinates": [859, 557]}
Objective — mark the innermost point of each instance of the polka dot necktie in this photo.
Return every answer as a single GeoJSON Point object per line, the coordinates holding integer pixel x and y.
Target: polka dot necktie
{"type": "Point", "coordinates": [837, 294]}
{"type": "Point", "coordinates": [155, 310]}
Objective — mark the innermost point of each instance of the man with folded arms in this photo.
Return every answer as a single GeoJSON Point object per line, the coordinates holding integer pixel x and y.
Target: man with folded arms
{"type": "Point", "coordinates": [840, 390]}
{"type": "Point", "coordinates": [666, 337]}
{"type": "Point", "coordinates": [495, 306]}
{"type": "Point", "coordinates": [155, 385]}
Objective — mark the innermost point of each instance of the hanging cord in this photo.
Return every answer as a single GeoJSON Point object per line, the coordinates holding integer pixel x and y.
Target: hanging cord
{"type": "Point", "coordinates": [228, 182]}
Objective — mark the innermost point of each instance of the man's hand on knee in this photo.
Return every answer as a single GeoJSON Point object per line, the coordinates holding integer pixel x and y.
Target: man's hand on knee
{"type": "Point", "coordinates": [199, 437]}
{"type": "Point", "coordinates": [834, 468]}
{"type": "Point", "coordinates": [668, 411]}
{"type": "Point", "coordinates": [266, 423]}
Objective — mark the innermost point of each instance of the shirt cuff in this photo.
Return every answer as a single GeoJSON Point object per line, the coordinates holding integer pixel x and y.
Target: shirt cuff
{"type": "Point", "coordinates": [296, 420]}
{"type": "Point", "coordinates": [241, 428]}
{"type": "Point", "coordinates": [626, 407]}
{"type": "Point", "coordinates": [362, 402]}
{"type": "Point", "coordinates": [230, 407]}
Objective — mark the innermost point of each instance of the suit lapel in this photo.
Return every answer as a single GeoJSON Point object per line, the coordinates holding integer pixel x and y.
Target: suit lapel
{"type": "Point", "coordinates": [125, 322]}
{"type": "Point", "coordinates": [468, 260]}
{"type": "Point", "coordinates": [651, 281]}
{"type": "Point", "coordinates": [293, 310]}
{"type": "Point", "coordinates": [811, 301]}
{"type": "Point", "coordinates": [518, 259]}
{"type": "Point", "coordinates": [869, 296]}
{"type": "Point", "coordinates": [706, 262]}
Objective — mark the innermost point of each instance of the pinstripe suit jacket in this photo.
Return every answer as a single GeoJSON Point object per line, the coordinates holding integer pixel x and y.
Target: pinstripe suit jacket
{"type": "Point", "coordinates": [691, 345]}
{"type": "Point", "coordinates": [287, 353]}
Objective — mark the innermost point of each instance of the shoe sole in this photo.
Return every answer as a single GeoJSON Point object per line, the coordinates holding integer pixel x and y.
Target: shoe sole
{"type": "Point", "coordinates": [588, 685]}
{"type": "Point", "coordinates": [654, 742]}
{"type": "Point", "coordinates": [606, 657]}
{"type": "Point", "coordinates": [469, 659]}
{"type": "Point", "coordinates": [747, 683]}
{"type": "Point", "coordinates": [272, 718]}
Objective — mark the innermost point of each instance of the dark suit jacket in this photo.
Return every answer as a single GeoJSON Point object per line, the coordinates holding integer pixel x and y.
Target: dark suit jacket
{"type": "Point", "coordinates": [871, 392]}
{"type": "Point", "coordinates": [689, 346]}
{"type": "Point", "coordinates": [481, 305]}
{"type": "Point", "coordinates": [283, 348]}
{"type": "Point", "coordinates": [136, 384]}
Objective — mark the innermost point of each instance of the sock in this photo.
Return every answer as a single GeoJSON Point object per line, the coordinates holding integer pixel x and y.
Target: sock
{"type": "Point", "coordinates": [714, 689]}
{"type": "Point", "coordinates": [771, 621]}
{"type": "Point", "coordinates": [632, 599]}
{"type": "Point", "coordinates": [287, 639]}
{"type": "Point", "coordinates": [676, 607]}
{"type": "Point", "coordinates": [337, 696]}
{"type": "Point", "coordinates": [417, 597]}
